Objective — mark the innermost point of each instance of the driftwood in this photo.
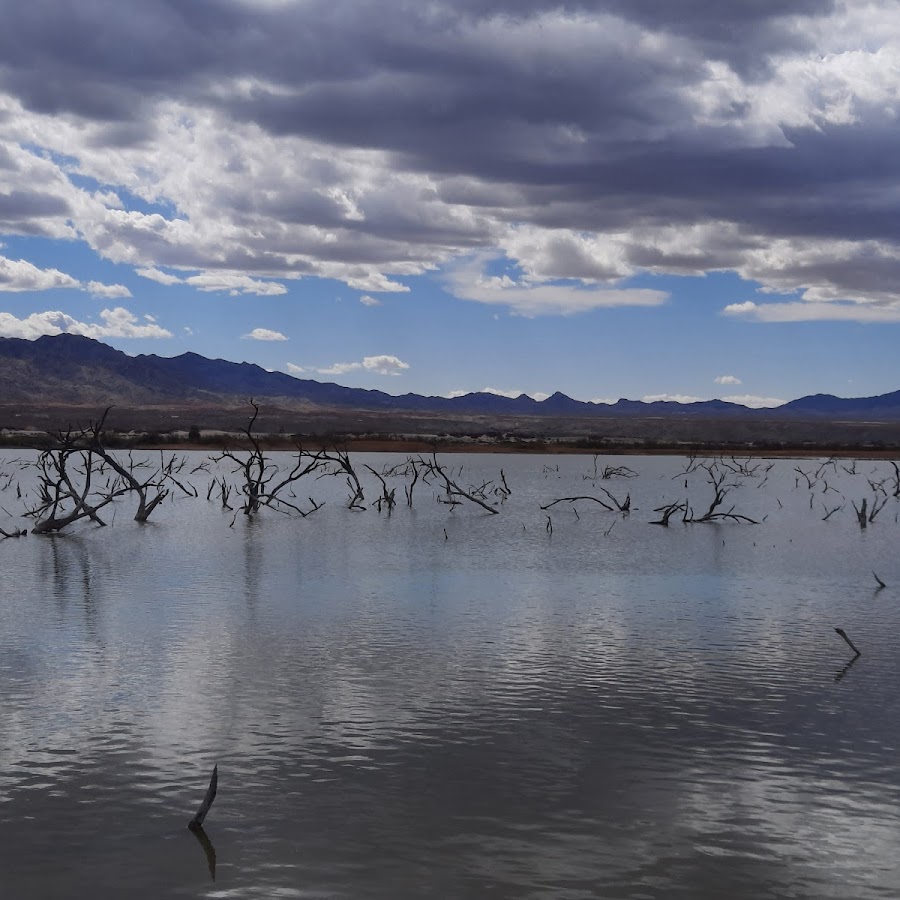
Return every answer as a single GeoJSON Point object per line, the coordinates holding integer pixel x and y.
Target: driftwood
{"type": "Point", "coordinates": [575, 499]}
{"type": "Point", "coordinates": [201, 813]}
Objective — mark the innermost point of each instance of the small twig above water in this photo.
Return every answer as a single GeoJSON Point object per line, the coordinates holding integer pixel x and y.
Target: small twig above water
{"type": "Point", "coordinates": [850, 643]}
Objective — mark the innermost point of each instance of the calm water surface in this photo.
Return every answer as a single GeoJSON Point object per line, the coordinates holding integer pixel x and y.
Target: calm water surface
{"type": "Point", "coordinates": [445, 703]}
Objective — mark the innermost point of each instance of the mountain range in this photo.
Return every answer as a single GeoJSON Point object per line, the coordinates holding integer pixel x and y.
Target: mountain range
{"type": "Point", "coordinates": [70, 370]}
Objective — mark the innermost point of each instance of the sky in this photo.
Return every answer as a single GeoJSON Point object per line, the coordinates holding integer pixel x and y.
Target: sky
{"type": "Point", "coordinates": [650, 199]}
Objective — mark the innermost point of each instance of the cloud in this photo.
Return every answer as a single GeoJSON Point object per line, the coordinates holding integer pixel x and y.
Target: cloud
{"type": "Point", "coordinates": [373, 141]}
{"type": "Point", "coordinates": [384, 365]}
{"type": "Point", "coordinates": [366, 300]}
{"type": "Point", "coordinates": [295, 370]}
{"type": "Point", "coordinates": [158, 276]}
{"type": "Point", "coordinates": [533, 298]}
{"type": "Point", "coordinates": [340, 368]}
{"type": "Point", "coordinates": [801, 311]}
{"type": "Point", "coordinates": [727, 379]}
{"type": "Point", "coordinates": [235, 284]}
{"type": "Point", "coordinates": [671, 398]}
{"type": "Point", "coordinates": [19, 275]}
{"type": "Point", "coordinates": [264, 334]}
{"type": "Point", "coordinates": [754, 401]}
{"type": "Point", "coordinates": [379, 365]}
{"type": "Point", "coordinates": [535, 395]}
{"type": "Point", "coordinates": [107, 291]}
{"type": "Point", "coordinates": [117, 323]}
{"type": "Point", "coordinates": [750, 400]}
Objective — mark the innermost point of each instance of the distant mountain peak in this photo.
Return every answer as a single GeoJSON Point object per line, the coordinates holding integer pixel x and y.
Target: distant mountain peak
{"type": "Point", "coordinates": [69, 368]}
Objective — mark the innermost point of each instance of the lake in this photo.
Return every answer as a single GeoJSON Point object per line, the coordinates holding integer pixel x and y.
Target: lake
{"type": "Point", "coordinates": [441, 702]}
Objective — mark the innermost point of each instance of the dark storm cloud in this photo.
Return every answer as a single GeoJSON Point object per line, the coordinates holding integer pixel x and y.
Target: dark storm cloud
{"type": "Point", "coordinates": [596, 116]}
{"type": "Point", "coordinates": [97, 58]}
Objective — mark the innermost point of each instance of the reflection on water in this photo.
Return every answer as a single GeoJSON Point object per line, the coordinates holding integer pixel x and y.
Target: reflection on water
{"type": "Point", "coordinates": [208, 849]}
{"type": "Point", "coordinates": [634, 713]}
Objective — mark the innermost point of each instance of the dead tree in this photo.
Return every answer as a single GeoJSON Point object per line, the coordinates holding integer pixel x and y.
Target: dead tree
{"type": "Point", "coordinates": [863, 515]}
{"type": "Point", "coordinates": [623, 506]}
{"type": "Point", "coordinates": [720, 490]}
{"type": "Point", "coordinates": [718, 479]}
{"type": "Point", "coordinates": [609, 472]}
{"type": "Point", "coordinates": [810, 478]}
{"type": "Point", "coordinates": [387, 496]}
{"type": "Point", "coordinates": [693, 464]}
{"type": "Point", "coordinates": [668, 511]}
{"type": "Point", "coordinates": [452, 490]}
{"type": "Point", "coordinates": [340, 460]}
{"type": "Point", "coordinates": [67, 483]}
{"type": "Point", "coordinates": [151, 491]}
{"type": "Point", "coordinates": [746, 469]}
{"type": "Point", "coordinates": [895, 490]}
{"type": "Point", "coordinates": [408, 489]}
{"type": "Point", "coordinates": [830, 512]}
{"type": "Point", "coordinates": [263, 483]}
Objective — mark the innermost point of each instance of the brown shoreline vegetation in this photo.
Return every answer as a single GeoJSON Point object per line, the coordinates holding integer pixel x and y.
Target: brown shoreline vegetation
{"type": "Point", "coordinates": [214, 428]}
{"type": "Point", "coordinates": [462, 444]}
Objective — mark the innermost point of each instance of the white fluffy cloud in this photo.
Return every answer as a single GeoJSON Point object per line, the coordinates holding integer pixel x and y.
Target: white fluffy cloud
{"type": "Point", "coordinates": [727, 379]}
{"type": "Point", "coordinates": [378, 365]}
{"type": "Point", "coordinates": [368, 300]}
{"type": "Point", "coordinates": [295, 370]}
{"type": "Point", "coordinates": [384, 364]}
{"type": "Point", "coordinates": [264, 334]}
{"type": "Point", "coordinates": [116, 323]}
{"type": "Point", "coordinates": [107, 291]}
{"type": "Point", "coordinates": [19, 275]}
